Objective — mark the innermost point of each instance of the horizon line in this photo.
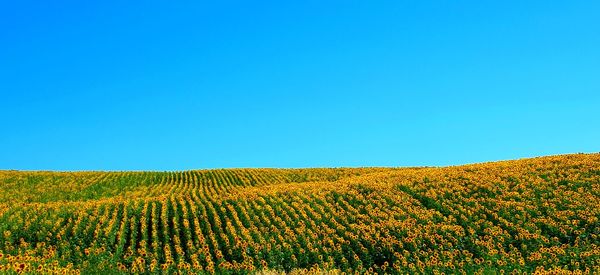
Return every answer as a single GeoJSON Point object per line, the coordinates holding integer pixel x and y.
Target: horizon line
{"type": "Point", "coordinates": [300, 168]}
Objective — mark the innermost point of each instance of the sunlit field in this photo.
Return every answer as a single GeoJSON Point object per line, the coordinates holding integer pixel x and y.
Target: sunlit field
{"type": "Point", "coordinates": [530, 215]}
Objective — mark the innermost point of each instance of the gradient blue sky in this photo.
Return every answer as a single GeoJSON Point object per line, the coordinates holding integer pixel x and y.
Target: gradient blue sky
{"type": "Point", "coordinates": [143, 85]}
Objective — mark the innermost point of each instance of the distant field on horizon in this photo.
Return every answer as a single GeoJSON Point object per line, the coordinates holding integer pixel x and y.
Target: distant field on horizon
{"type": "Point", "coordinates": [535, 214]}
{"type": "Point", "coordinates": [291, 167]}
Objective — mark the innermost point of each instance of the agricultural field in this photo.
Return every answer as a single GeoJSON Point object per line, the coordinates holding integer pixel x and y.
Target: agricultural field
{"type": "Point", "coordinates": [524, 216]}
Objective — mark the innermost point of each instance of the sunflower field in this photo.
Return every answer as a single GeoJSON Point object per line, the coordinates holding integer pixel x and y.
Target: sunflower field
{"type": "Point", "coordinates": [525, 216]}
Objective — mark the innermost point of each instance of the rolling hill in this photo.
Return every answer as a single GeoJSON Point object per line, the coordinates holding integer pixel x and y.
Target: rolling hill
{"type": "Point", "coordinates": [532, 215]}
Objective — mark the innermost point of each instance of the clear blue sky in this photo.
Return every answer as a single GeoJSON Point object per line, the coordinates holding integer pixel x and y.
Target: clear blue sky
{"type": "Point", "coordinates": [143, 85]}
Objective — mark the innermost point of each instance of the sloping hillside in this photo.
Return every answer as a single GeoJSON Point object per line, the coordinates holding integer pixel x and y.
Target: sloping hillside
{"type": "Point", "coordinates": [529, 215]}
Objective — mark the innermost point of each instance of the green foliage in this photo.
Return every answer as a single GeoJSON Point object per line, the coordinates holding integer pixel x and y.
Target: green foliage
{"type": "Point", "coordinates": [529, 215]}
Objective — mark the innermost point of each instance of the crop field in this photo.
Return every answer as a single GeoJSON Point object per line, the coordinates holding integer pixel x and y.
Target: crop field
{"type": "Point", "coordinates": [522, 216]}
